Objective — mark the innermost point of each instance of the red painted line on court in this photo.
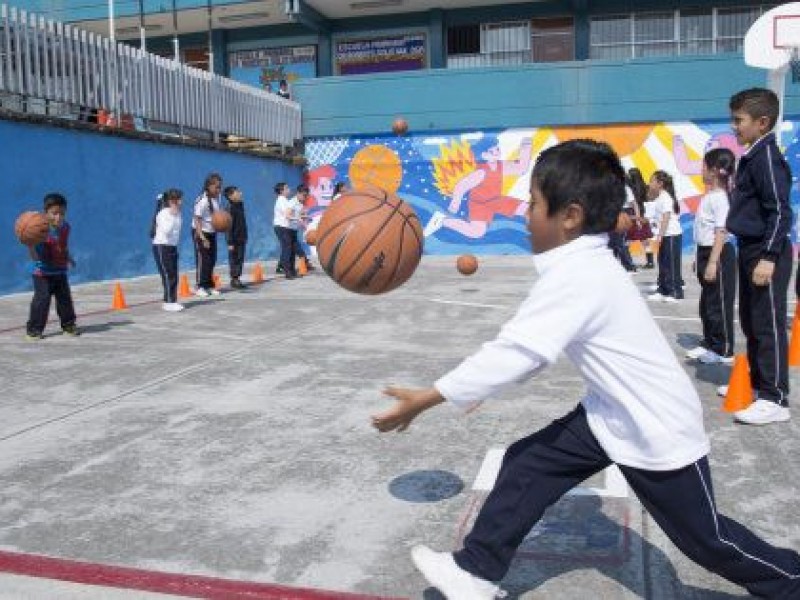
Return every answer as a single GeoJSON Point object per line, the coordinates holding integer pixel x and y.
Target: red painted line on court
{"type": "Point", "coordinates": [190, 586]}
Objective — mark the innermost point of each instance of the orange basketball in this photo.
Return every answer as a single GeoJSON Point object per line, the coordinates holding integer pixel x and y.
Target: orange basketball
{"type": "Point", "coordinates": [31, 228]}
{"type": "Point", "coordinates": [467, 264]}
{"type": "Point", "coordinates": [221, 220]}
{"type": "Point", "coordinates": [369, 241]}
{"type": "Point", "coordinates": [311, 237]}
{"type": "Point", "coordinates": [400, 126]}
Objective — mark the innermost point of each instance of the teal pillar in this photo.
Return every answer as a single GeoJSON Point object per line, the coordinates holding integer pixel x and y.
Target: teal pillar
{"type": "Point", "coordinates": [324, 55]}
{"type": "Point", "coordinates": [219, 40]}
{"type": "Point", "coordinates": [437, 40]}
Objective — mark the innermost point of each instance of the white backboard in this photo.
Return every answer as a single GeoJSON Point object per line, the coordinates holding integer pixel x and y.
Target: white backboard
{"type": "Point", "coordinates": [770, 40]}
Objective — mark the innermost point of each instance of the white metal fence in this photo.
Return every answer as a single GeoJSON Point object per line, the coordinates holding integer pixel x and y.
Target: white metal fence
{"type": "Point", "coordinates": [55, 69]}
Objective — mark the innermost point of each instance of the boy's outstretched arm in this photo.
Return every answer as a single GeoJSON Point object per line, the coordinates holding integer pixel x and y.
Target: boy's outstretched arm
{"type": "Point", "coordinates": [409, 403]}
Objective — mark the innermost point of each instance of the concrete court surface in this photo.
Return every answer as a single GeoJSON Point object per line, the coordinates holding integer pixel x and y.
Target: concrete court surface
{"type": "Point", "coordinates": [228, 449]}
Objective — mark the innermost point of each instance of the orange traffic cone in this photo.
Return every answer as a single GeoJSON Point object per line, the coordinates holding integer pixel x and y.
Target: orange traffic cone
{"type": "Point", "coordinates": [217, 282]}
{"type": "Point", "coordinates": [302, 268]}
{"type": "Point", "coordinates": [183, 287]}
{"type": "Point", "coordinates": [794, 343]}
{"type": "Point", "coordinates": [636, 248]}
{"type": "Point", "coordinates": [740, 390]}
{"type": "Point", "coordinates": [258, 273]}
{"type": "Point", "coordinates": [118, 303]}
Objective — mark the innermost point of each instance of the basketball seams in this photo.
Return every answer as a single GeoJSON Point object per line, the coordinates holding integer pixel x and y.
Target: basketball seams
{"type": "Point", "coordinates": [329, 229]}
{"type": "Point", "coordinates": [372, 239]}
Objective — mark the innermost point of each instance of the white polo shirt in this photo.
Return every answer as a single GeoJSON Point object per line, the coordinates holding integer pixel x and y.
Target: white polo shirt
{"type": "Point", "coordinates": [640, 404]}
{"type": "Point", "coordinates": [711, 215]}
{"type": "Point", "coordinates": [283, 208]}
{"type": "Point", "coordinates": [202, 210]}
{"type": "Point", "coordinates": [168, 228]}
{"type": "Point", "coordinates": [664, 204]}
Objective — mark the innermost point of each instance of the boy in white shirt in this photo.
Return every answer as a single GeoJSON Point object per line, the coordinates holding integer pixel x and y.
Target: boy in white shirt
{"type": "Point", "coordinates": [284, 222]}
{"type": "Point", "coordinates": [640, 410]}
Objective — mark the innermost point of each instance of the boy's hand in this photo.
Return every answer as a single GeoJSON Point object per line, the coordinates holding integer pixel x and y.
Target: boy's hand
{"type": "Point", "coordinates": [762, 274]}
{"type": "Point", "coordinates": [409, 404]}
{"type": "Point", "coordinates": [711, 272]}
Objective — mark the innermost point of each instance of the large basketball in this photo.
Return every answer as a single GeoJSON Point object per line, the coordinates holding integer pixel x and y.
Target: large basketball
{"type": "Point", "coordinates": [369, 241]}
{"type": "Point", "coordinates": [31, 228]}
{"type": "Point", "coordinates": [467, 264]}
{"type": "Point", "coordinates": [400, 126]}
{"type": "Point", "coordinates": [221, 220]}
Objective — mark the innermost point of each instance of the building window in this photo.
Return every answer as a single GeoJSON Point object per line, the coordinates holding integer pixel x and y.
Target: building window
{"type": "Point", "coordinates": [464, 39]}
{"type": "Point", "coordinates": [553, 40]}
{"type": "Point", "coordinates": [686, 31]}
{"type": "Point", "coordinates": [506, 43]}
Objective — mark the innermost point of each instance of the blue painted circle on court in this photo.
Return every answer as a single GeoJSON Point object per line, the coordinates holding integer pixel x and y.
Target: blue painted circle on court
{"type": "Point", "coordinates": [426, 486]}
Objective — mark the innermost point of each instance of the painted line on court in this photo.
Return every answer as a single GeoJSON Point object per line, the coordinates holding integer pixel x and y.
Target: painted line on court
{"type": "Point", "coordinates": [460, 303]}
{"type": "Point", "coordinates": [615, 484]}
{"type": "Point", "coordinates": [176, 584]}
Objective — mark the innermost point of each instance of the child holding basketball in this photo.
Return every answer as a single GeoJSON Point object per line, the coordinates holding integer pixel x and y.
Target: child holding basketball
{"type": "Point", "coordinates": [51, 261]}
{"type": "Point", "coordinates": [205, 238]}
{"type": "Point", "coordinates": [760, 217]}
{"type": "Point", "coordinates": [640, 410]}
{"type": "Point", "coordinates": [165, 233]}
{"type": "Point", "coordinates": [715, 261]}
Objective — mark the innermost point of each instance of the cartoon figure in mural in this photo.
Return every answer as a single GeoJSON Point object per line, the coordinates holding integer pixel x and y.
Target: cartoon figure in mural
{"type": "Point", "coordinates": [482, 184]}
{"type": "Point", "coordinates": [320, 183]}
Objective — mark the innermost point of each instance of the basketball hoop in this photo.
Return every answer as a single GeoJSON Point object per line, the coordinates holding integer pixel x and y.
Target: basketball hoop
{"type": "Point", "coordinates": [794, 64]}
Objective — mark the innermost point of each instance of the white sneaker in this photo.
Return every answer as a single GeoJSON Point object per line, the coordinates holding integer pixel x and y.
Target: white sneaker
{"type": "Point", "coordinates": [695, 352]}
{"type": "Point", "coordinates": [669, 299]}
{"type": "Point", "coordinates": [442, 572]}
{"type": "Point", "coordinates": [214, 292]}
{"type": "Point", "coordinates": [656, 297]}
{"type": "Point", "coordinates": [762, 412]}
{"type": "Point", "coordinates": [709, 357]}
{"type": "Point", "coordinates": [435, 224]}
{"type": "Point", "coordinates": [172, 307]}
{"type": "Point", "coordinates": [722, 391]}
{"type": "Point", "coordinates": [653, 287]}
{"type": "Point", "coordinates": [201, 293]}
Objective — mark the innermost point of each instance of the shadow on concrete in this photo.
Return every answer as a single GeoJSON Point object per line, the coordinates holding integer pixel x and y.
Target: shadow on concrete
{"type": "Point", "coordinates": [426, 486]}
{"type": "Point", "coordinates": [102, 327]}
{"type": "Point", "coordinates": [582, 536]}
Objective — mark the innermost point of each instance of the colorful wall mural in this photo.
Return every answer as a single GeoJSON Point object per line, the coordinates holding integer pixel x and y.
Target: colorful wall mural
{"type": "Point", "coordinates": [470, 189]}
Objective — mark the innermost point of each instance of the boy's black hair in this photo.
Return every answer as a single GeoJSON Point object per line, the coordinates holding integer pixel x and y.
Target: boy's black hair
{"type": "Point", "coordinates": [54, 199]}
{"type": "Point", "coordinates": [757, 102]}
{"type": "Point", "coordinates": [339, 187]}
{"type": "Point", "coordinates": [230, 190]}
{"type": "Point", "coordinates": [583, 172]}
{"type": "Point", "coordinates": [302, 188]}
{"type": "Point", "coordinates": [279, 186]}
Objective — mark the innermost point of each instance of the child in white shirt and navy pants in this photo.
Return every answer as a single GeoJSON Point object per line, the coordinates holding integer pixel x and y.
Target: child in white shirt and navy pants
{"type": "Point", "coordinates": [165, 233]}
{"type": "Point", "coordinates": [640, 410]}
{"type": "Point", "coordinates": [205, 238]}
{"type": "Point", "coordinates": [715, 261]}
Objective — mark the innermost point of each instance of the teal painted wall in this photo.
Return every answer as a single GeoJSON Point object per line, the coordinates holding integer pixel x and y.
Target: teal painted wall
{"type": "Point", "coordinates": [577, 93]}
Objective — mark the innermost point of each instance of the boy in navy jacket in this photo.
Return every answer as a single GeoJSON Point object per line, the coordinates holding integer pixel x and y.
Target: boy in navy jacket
{"type": "Point", "coordinates": [760, 217]}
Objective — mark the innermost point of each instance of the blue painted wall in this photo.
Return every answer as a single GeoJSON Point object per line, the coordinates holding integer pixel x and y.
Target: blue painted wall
{"type": "Point", "coordinates": [577, 93]}
{"type": "Point", "coordinates": [111, 184]}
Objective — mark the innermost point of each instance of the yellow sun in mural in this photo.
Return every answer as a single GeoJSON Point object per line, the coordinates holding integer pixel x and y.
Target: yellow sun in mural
{"type": "Point", "coordinates": [378, 166]}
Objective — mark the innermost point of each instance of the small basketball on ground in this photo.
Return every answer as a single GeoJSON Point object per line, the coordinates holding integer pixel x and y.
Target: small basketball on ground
{"type": "Point", "coordinates": [221, 220]}
{"type": "Point", "coordinates": [400, 126]}
{"type": "Point", "coordinates": [369, 241]}
{"type": "Point", "coordinates": [311, 237]}
{"type": "Point", "coordinates": [31, 228]}
{"type": "Point", "coordinates": [467, 264]}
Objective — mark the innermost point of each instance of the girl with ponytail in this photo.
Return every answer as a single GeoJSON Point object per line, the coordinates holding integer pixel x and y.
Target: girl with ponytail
{"type": "Point", "coordinates": [669, 240]}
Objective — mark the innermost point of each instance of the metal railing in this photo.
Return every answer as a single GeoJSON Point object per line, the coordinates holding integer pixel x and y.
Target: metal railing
{"type": "Point", "coordinates": [51, 68]}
